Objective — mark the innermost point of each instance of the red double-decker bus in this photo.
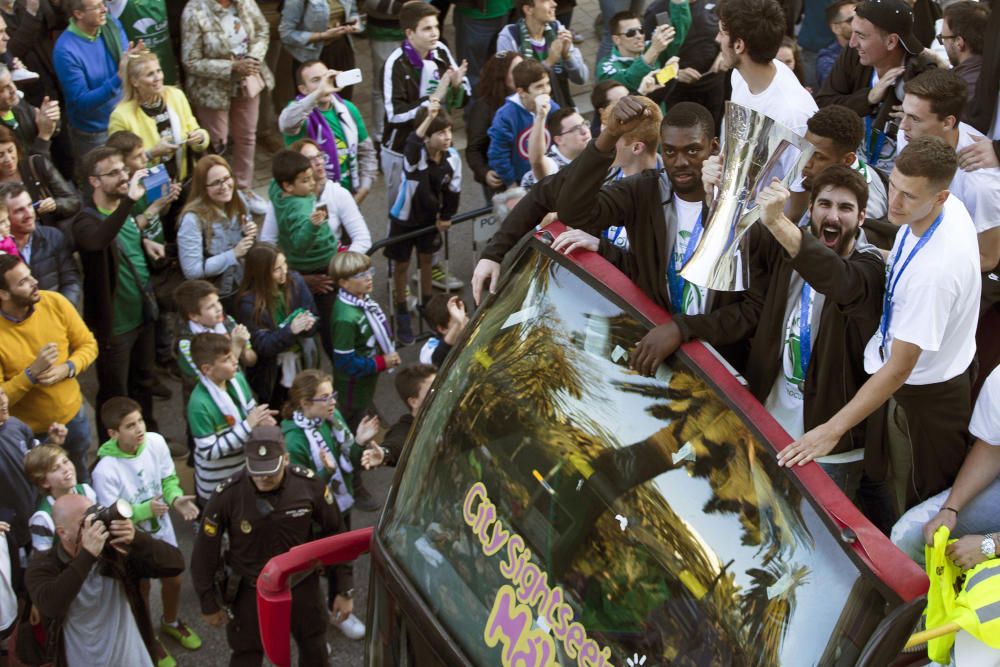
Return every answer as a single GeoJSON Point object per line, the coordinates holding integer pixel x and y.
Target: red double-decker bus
{"type": "Point", "coordinates": [552, 507]}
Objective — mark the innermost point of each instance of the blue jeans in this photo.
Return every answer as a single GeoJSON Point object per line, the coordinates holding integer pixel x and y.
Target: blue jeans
{"type": "Point", "coordinates": [977, 518]}
{"type": "Point", "coordinates": [77, 443]}
{"type": "Point", "coordinates": [475, 41]}
{"type": "Point", "coordinates": [84, 142]}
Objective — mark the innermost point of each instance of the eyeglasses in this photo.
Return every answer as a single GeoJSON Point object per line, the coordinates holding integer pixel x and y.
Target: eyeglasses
{"type": "Point", "coordinates": [361, 275]}
{"type": "Point", "coordinates": [941, 37]}
{"type": "Point", "coordinates": [321, 158]}
{"type": "Point", "coordinates": [325, 398]}
{"type": "Point", "coordinates": [95, 8]}
{"type": "Point", "coordinates": [225, 180]}
{"type": "Point", "coordinates": [579, 127]}
{"type": "Point", "coordinates": [632, 32]}
{"type": "Point", "coordinates": [114, 173]}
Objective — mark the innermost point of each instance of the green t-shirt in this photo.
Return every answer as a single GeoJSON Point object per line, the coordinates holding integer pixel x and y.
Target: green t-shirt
{"type": "Point", "coordinates": [352, 332]}
{"type": "Point", "coordinates": [300, 453]}
{"type": "Point", "coordinates": [128, 296]}
{"type": "Point", "coordinates": [494, 9]}
{"type": "Point", "coordinates": [147, 20]}
{"type": "Point", "coordinates": [204, 417]}
{"type": "Point", "coordinates": [347, 161]}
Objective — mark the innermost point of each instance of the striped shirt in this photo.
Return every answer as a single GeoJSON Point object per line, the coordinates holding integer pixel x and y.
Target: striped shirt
{"type": "Point", "coordinates": [218, 444]}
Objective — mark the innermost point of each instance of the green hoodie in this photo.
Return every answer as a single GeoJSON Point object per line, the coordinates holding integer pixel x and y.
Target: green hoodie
{"type": "Point", "coordinates": [307, 247]}
{"type": "Point", "coordinates": [630, 71]}
{"type": "Point", "coordinates": [171, 485]}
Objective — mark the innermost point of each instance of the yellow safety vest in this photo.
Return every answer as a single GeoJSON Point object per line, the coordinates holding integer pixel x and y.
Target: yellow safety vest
{"type": "Point", "coordinates": [974, 604]}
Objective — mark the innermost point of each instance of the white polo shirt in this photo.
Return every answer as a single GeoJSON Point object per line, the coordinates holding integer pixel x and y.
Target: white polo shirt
{"type": "Point", "coordinates": [936, 301]}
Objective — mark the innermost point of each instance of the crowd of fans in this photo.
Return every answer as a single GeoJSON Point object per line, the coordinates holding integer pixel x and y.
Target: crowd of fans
{"type": "Point", "coordinates": [131, 239]}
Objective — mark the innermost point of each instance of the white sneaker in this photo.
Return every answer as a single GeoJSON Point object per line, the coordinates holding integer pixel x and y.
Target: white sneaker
{"type": "Point", "coordinates": [351, 626]}
{"type": "Point", "coordinates": [22, 74]}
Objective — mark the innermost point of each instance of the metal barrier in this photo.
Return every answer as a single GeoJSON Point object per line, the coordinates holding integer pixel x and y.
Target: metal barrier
{"type": "Point", "coordinates": [475, 214]}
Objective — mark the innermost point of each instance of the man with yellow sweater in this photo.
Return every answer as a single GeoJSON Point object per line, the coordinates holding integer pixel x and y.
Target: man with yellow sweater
{"type": "Point", "coordinates": [45, 346]}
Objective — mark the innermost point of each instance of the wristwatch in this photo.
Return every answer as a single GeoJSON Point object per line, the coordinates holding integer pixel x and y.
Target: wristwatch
{"type": "Point", "coordinates": [988, 546]}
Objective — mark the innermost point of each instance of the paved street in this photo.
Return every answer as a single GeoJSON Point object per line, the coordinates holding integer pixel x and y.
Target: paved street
{"type": "Point", "coordinates": [170, 414]}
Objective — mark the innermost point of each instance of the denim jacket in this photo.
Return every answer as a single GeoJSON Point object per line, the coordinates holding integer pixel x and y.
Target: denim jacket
{"type": "Point", "coordinates": [301, 18]}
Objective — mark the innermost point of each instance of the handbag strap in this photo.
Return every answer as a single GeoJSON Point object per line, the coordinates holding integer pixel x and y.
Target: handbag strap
{"type": "Point", "coordinates": [42, 187]}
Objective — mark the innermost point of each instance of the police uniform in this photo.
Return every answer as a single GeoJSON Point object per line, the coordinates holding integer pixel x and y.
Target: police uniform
{"type": "Point", "coordinates": [260, 526]}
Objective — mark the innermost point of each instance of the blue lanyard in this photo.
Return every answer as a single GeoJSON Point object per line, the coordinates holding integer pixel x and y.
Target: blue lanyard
{"type": "Point", "coordinates": [805, 329]}
{"type": "Point", "coordinates": [873, 144]}
{"type": "Point", "coordinates": [674, 280]}
{"type": "Point", "coordinates": [890, 284]}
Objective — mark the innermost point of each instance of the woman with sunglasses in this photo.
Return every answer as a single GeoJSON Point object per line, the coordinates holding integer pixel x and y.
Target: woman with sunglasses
{"type": "Point", "coordinates": [318, 438]}
{"type": "Point", "coordinates": [277, 308]}
{"type": "Point", "coordinates": [216, 229]}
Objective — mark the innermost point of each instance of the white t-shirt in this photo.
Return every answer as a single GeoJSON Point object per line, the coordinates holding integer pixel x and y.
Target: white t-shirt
{"type": "Point", "coordinates": [979, 190]}
{"type": "Point", "coordinates": [100, 629]}
{"type": "Point", "coordinates": [688, 213]}
{"type": "Point", "coordinates": [137, 479]}
{"type": "Point", "coordinates": [985, 423]}
{"type": "Point", "coordinates": [936, 301]}
{"type": "Point", "coordinates": [786, 400]}
{"type": "Point", "coordinates": [784, 100]}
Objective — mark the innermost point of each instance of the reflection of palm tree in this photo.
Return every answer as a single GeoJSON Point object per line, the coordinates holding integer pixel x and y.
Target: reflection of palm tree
{"type": "Point", "coordinates": [504, 412]}
{"type": "Point", "coordinates": [767, 613]}
{"type": "Point", "coordinates": [745, 482]}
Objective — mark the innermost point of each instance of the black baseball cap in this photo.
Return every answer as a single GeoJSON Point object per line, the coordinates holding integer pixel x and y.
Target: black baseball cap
{"type": "Point", "coordinates": [893, 16]}
{"type": "Point", "coordinates": [265, 450]}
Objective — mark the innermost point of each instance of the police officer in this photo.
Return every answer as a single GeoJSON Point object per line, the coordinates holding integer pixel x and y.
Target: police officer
{"type": "Point", "coordinates": [266, 510]}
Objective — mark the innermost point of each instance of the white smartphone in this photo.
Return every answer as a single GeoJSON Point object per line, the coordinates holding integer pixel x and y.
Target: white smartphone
{"type": "Point", "coordinates": [348, 78]}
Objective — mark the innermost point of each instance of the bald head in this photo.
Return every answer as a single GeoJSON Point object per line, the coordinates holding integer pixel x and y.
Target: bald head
{"type": "Point", "coordinates": [67, 513]}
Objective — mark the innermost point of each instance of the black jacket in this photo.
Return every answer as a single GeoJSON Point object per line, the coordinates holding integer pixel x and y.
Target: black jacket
{"type": "Point", "coordinates": [269, 340]}
{"type": "Point", "coordinates": [853, 288]}
{"type": "Point", "coordinates": [477, 140]}
{"type": "Point", "coordinates": [51, 263]}
{"type": "Point", "coordinates": [982, 108]}
{"type": "Point", "coordinates": [31, 41]}
{"type": "Point", "coordinates": [54, 580]}
{"type": "Point", "coordinates": [401, 87]}
{"type": "Point", "coordinates": [42, 180]}
{"type": "Point", "coordinates": [95, 239]}
{"type": "Point", "coordinates": [27, 130]}
{"type": "Point", "coordinates": [850, 81]}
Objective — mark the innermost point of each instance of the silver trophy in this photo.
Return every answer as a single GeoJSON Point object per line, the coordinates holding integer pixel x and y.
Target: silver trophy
{"type": "Point", "coordinates": [755, 149]}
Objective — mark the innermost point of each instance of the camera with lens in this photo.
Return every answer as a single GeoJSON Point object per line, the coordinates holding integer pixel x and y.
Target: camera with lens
{"type": "Point", "coordinates": [120, 509]}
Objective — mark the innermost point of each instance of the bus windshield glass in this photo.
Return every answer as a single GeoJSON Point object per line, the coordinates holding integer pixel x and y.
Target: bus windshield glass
{"type": "Point", "coordinates": [556, 508]}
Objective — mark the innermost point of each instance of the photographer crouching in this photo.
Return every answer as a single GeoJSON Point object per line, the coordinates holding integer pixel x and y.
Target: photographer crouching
{"type": "Point", "coordinates": [87, 586]}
